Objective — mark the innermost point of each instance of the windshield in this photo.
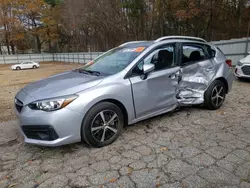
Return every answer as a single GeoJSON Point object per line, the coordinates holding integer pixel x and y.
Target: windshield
{"type": "Point", "coordinates": [114, 61]}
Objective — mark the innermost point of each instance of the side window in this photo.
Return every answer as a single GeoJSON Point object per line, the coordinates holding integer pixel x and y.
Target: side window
{"type": "Point", "coordinates": [162, 58]}
{"type": "Point", "coordinates": [192, 54]}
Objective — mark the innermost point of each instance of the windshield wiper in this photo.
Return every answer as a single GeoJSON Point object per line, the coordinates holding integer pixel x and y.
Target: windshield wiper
{"type": "Point", "coordinates": [96, 73]}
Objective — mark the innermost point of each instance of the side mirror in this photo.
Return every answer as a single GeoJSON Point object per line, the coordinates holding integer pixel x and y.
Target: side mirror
{"type": "Point", "coordinates": [147, 68]}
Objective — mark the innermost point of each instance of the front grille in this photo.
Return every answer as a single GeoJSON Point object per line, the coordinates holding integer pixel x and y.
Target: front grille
{"type": "Point", "coordinates": [46, 133]}
{"type": "Point", "coordinates": [246, 70]}
{"type": "Point", "coordinates": [19, 105]}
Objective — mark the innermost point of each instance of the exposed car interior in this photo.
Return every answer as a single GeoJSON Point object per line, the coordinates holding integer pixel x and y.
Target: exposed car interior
{"type": "Point", "coordinates": [165, 60]}
{"type": "Point", "coordinates": [195, 56]}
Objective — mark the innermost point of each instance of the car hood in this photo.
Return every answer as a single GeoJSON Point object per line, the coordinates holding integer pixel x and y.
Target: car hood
{"type": "Point", "coordinates": [61, 84]}
{"type": "Point", "coordinates": [245, 60]}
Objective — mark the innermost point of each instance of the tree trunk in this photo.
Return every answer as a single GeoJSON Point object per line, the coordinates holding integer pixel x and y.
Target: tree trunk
{"type": "Point", "coordinates": [50, 46]}
{"type": "Point", "coordinates": [7, 44]}
{"type": "Point", "coordinates": [38, 45]}
{"type": "Point", "coordinates": [7, 38]}
{"type": "Point", "coordinates": [12, 47]}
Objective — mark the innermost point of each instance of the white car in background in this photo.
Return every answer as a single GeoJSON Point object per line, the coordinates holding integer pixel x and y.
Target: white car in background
{"type": "Point", "coordinates": [25, 65]}
{"type": "Point", "coordinates": [242, 69]}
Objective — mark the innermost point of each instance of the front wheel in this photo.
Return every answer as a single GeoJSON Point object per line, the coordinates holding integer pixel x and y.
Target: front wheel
{"type": "Point", "coordinates": [102, 124]}
{"type": "Point", "coordinates": [18, 68]}
{"type": "Point", "coordinates": [34, 67]}
{"type": "Point", "coordinates": [215, 95]}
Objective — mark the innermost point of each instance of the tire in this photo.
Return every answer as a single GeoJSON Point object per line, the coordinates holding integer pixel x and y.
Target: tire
{"type": "Point", "coordinates": [34, 67]}
{"type": "Point", "coordinates": [18, 68]}
{"type": "Point", "coordinates": [91, 131]}
{"type": "Point", "coordinates": [214, 101]}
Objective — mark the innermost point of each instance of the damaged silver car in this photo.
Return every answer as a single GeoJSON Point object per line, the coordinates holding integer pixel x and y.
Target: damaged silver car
{"type": "Point", "coordinates": [127, 84]}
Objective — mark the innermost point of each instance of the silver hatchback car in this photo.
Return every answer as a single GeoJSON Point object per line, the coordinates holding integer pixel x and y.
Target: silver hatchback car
{"type": "Point", "coordinates": [127, 84]}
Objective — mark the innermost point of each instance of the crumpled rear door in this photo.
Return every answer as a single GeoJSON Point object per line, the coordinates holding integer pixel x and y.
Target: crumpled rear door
{"type": "Point", "coordinates": [194, 80]}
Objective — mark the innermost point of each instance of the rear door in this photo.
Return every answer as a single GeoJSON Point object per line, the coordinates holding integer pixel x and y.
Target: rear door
{"type": "Point", "coordinates": [197, 70]}
{"type": "Point", "coordinates": [157, 92]}
{"type": "Point", "coordinates": [25, 65]}
{"type": "Point", "coordinates": [32, 64]}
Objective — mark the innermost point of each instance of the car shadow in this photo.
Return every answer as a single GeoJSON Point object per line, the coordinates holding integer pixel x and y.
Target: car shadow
{"type": "Point", "coordinates": [244, 80]}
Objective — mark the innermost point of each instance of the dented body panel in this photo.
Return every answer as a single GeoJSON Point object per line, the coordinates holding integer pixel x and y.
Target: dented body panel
{"type": "Point", "coordinates": [186, 85]}
{"type": "Point", "coordinates": [194, 81]}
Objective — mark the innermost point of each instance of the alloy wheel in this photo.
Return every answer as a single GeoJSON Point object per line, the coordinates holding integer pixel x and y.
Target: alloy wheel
{"type": "Point", "coordinates": [105, 125]}
{"type": "Point", "coordinates": [218, 95]}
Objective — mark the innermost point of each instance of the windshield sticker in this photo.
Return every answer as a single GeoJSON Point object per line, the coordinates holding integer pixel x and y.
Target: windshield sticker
{"type": "Point", "coordinates": [138, 49]}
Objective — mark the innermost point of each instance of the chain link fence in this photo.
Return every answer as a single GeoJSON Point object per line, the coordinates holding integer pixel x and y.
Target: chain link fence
{"type": "Point", "coordinates": [81, 57]}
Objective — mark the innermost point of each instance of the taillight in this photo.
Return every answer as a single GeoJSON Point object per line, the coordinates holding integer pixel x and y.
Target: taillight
{"type": "Point", "coordinates": [229, 62]}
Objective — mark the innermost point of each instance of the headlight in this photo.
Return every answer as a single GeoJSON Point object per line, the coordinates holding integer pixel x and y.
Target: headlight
{"type": "Point", "coordinates": [239, 64]}
{"type": "Point", "coordinates": [49, 105]}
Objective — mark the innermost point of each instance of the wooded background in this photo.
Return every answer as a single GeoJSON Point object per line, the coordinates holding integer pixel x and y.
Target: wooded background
{"type": "Point", "coordinates": [98, 25]}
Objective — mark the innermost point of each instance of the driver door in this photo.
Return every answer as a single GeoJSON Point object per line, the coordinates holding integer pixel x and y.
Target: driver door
{"type": "Point", "coordinates": [156, 92]}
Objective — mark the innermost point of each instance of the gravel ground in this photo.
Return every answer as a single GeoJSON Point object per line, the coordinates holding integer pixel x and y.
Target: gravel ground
{"type": "Point", "coordinates": [12, 81]}
{"type": "Point", "coordinates": [192, 148]}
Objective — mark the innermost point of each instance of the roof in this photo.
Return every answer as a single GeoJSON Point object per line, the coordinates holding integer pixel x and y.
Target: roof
{"type": "Point", "coordinates": [137, 44]}
{"type": "Point", "coordinates": [180, 38]}
{"type": "Point", "coordinates": [167, 38]}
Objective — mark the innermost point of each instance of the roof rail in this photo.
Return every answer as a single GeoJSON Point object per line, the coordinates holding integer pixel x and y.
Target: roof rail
{"type": "Point", "coordinates": [131, 42]}
{"type": "Point", "coordinates": [180, 37]}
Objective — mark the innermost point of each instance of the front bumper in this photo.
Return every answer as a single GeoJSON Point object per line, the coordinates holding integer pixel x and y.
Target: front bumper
{"type": "Point", "coordinates": [242, 71]}
{"type": "Point", "coordinates": [36, 132]}
{"type": "Point", "coordinates": [50, 128]}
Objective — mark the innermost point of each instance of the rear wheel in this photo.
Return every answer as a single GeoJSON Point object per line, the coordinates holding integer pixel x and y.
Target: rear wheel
{"type": "Point", "coordinates": [102, 124]}
{"type": "Point", "coordinates": [215, 95]}
{"type": "Point", "coordinates": [18, 68]}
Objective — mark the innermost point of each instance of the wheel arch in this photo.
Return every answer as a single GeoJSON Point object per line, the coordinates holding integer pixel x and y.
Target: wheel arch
{"type": "Point", "coordinates": [120, 105]}
{"type": "Point", "coordinates": [113, 101]}
{"type": "Point", "coordinates": [224, 81]}
{"type": "Point", "coordinates": [117, 103]}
